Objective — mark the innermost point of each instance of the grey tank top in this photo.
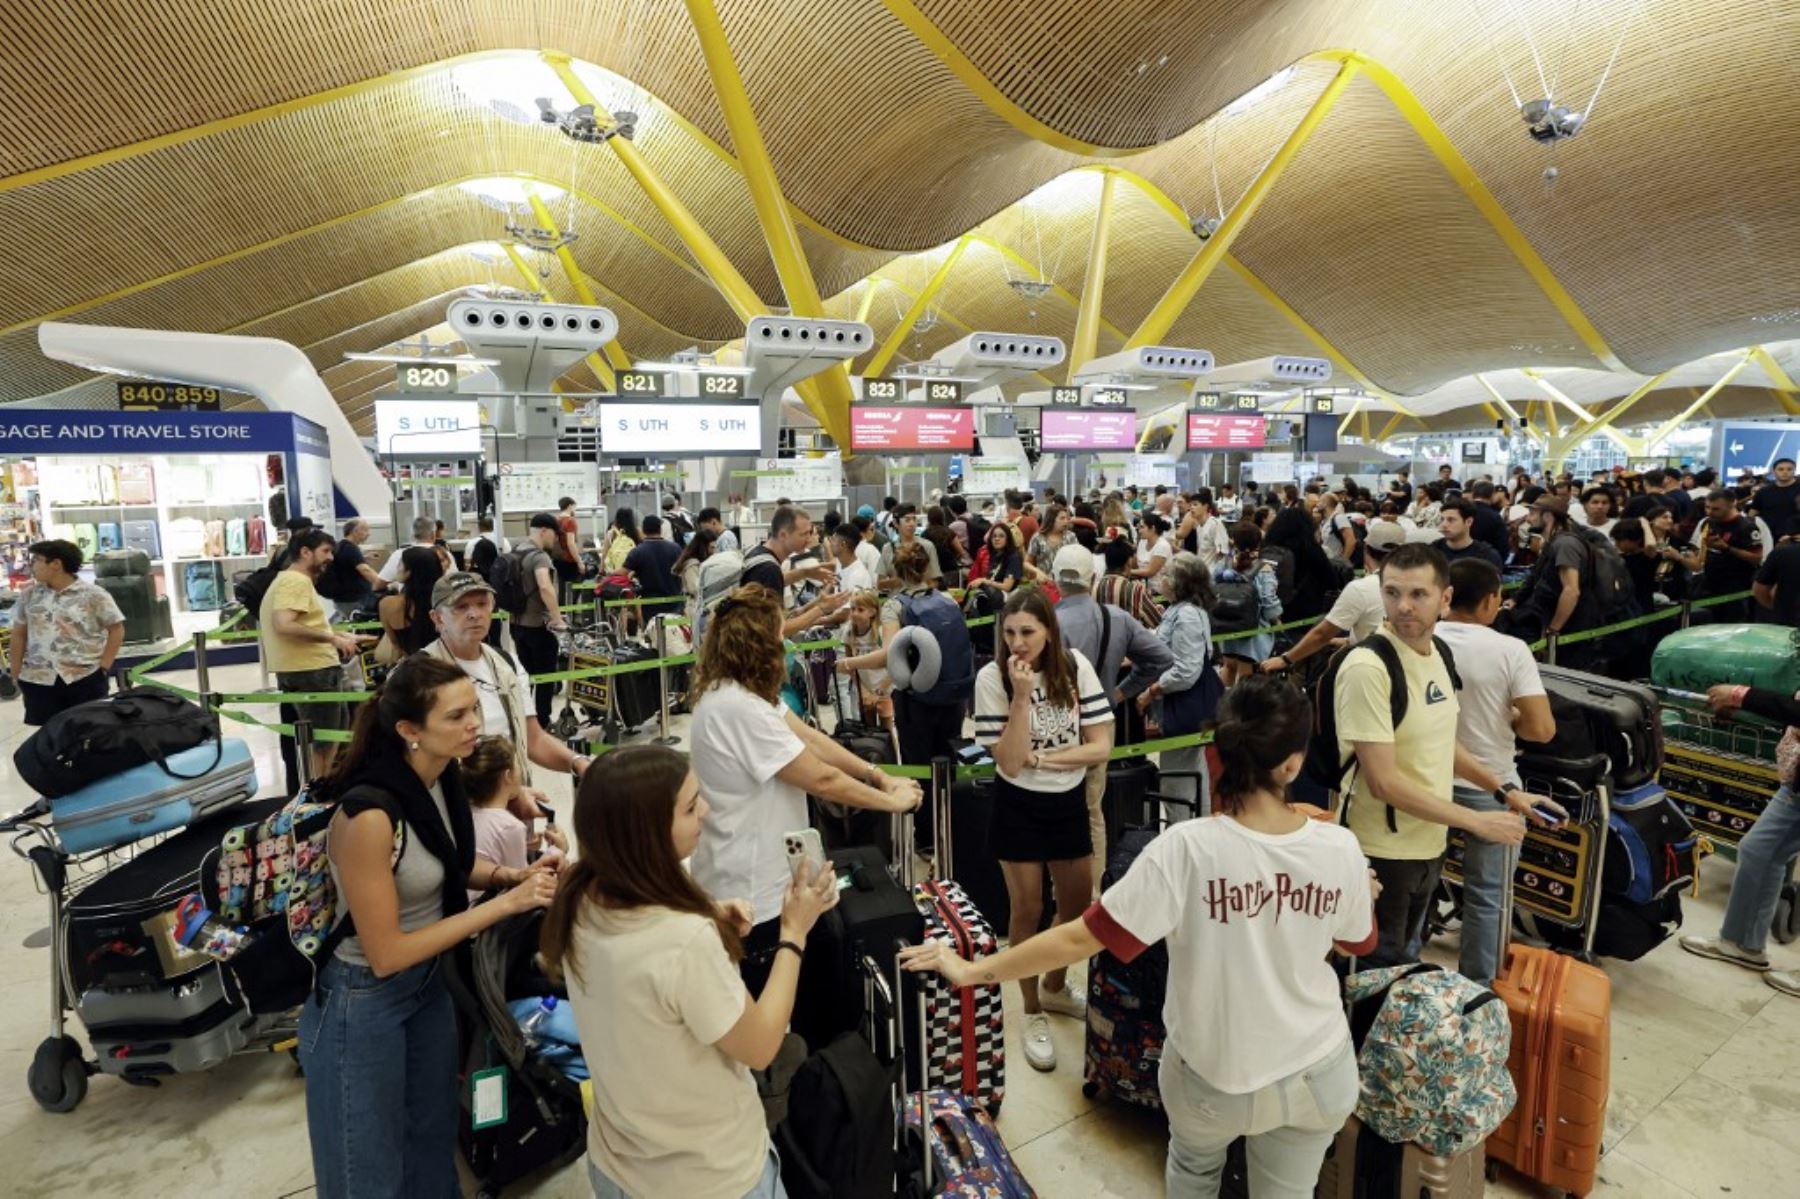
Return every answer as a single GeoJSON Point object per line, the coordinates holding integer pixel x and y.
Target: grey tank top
{"type": "Point", "coordinates": [419, 879]}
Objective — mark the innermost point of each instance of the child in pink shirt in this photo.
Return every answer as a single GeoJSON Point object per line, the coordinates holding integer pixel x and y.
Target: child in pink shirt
{"type": "Point", "coordinates": [490, 779]}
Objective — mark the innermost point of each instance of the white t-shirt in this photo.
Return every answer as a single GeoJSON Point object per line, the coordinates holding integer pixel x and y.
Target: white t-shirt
{"type": "Point", "coordinates": [1212, 542]}
{"type": "Point", "coordinates": [1359, 610]}
{"type": "Point", "coordinates": [1162, 548]}
{"type": "Point", "coordinates": [740, 744]}
{"type": "Point", "coordinates": [652, 992]}
{"type": "Point", "coordinates": [869, 557]}
{"type": "Point", "coordinates": [493, 712]}
{"type": "Point", "coordinates": [857, 576]}
{"type": "Point", "coordinates": [1054, 725]}
{"type": "Point", "coordinates": [1495, 670]}
{"type": "Point", "coordinates": [1248, 918]}
{"type": "Point", "coordinates": [1331, 535]}
{"type": "Point", "coordinates": [390, 570]}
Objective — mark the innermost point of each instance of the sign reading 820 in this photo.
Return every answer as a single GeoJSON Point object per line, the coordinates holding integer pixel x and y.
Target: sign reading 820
{"type": "Point", "coordinates": [425, 378]}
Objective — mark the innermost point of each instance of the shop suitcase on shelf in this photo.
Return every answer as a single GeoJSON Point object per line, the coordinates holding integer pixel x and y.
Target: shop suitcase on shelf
{"type": "Point", "coordinates": [1360, 1165]}
{"type": "Point", "coordinates": [1125, 1004]}
{"type": "Point", "coordinates": [235, 536]}
{"type": "Point", "coordinates": [136, 484]}
{"type": "Point", "coordinates": [1561, 1012]}
{"type": "Point", "coordinates": [142, 535]}
{"type": "Point", "coordinates": [1620, 720]}
{"type": "Point", "coordinates": [204, 583]}
{"type": "Point", "coordinates": [86, 538]}
{"type": "Point", "coordinates": [215, 539]}
{"type": "Point", "coordinates": [187, 538]}
{"type": "Point", "coordinates": [108, 536]}
{"type": "Point", "coordinates": [148, 799]}
{"type": "Point", "coordinates": [256, 536]}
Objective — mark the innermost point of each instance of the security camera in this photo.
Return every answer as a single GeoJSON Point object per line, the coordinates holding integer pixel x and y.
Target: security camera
{"type": "Point", "coordinates": [1549, 121]}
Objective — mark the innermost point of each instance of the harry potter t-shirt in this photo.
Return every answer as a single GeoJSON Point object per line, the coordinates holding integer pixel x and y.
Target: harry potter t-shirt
{"type": "Point", "coordinates": [1248, 918]}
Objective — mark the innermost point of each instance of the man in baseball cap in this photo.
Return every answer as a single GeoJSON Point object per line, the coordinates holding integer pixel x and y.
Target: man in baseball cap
{"type": "Point", "coordinates": [1106, 635]}
{"type": "Point", "coordinates": [1552, 600]}
{"type": "Point", "coordinates": [1358, 611]}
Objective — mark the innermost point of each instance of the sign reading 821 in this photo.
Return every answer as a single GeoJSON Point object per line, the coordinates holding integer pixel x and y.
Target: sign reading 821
{"type": "Point", "coordinates": [639, 383]}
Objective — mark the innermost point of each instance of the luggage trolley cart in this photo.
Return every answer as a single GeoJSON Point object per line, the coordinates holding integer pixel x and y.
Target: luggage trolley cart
{"type": "Point", "coordinates": [1721, 772]}
{"type": "Point", "coordinates": [173, 1011]}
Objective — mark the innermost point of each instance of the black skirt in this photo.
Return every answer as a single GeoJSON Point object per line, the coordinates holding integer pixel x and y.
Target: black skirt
{"type": "Point", "coordinates": [1040, 826]}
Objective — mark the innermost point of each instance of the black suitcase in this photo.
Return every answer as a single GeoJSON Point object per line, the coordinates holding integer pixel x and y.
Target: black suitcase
{"type": "Point", "coordinates": [974, 866]}
{"type": "Point", "coordinates": [636, 695]}
{"type": "Point", "coordinates": [113, 930]}
{"type": "Point", "coordinates": [873, 914]}
{"type": "Point", "coordinates": [841, 826]}
{"type": "Point", "coordinates": [1595, 714]}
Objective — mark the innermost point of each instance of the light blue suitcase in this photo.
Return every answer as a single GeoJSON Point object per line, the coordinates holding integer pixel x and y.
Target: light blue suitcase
{"type": "Point", "coordinates": [147, 799]}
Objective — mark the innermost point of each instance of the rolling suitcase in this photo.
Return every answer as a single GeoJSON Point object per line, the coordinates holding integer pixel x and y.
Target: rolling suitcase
{"type": "Point", "coordinates": [1360, 1165]}
{"type": "Point", "coordinates": [204, 583]}
{"type": "Point", "coordinates": [149, 799]}
{"type": "Point", "coordinates": [187, 538]}
{"type": "Point", "coordinates": [874, 914]}
{"type": "Point", "coordinates": [256, 536]}
{"type": "Point", "coordinates": [636, 696]}
{"type": "Point", "coordinates": [191, 1023]}
{"type": "Point", "coordinates": [120, 563]}
{"type": "Point", "coordinates": [108, 536]}
{"type": "Point", "coordinates": [1595, 714]}
{"type": "Point", "coordinates": [86, 538]}
{"type": "Point", "coordinates": [1561, 1012]}
{"type": "Point", "coordinates": [136, 484]}
{"type": "Point", "coordinates": [1125, 1003]}
{"type": "Point", "coordinates": [215, 539]}
{"type": "Point", "coordinates": [141, 535]}
{"type": "Point", "coordinates": [841, 826]}
{"type": "Point", "coordinates": [235, 537]}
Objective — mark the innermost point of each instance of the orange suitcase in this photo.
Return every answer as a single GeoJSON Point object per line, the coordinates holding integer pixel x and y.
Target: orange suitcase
{"type": "Point", "coordinates": [1561, 1061]}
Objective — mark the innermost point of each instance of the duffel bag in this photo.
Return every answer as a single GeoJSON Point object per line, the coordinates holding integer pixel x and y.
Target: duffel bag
{"type": "Point", "coordinates": [96, 740]}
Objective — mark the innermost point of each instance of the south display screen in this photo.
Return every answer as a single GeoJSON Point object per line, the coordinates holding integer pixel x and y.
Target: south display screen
{"type": "Point", "coordinates": [1225, 431]}
{"type": "Point", "coordinates": [654, 428]}
{"type": "Point", "coordinates": [910, 429]}
{"type": "Point", "coordinates": [1082, 430]}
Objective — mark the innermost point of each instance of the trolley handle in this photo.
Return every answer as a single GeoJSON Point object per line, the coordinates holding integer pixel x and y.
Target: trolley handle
{"type": "Point", "coordinates": [37, 810]}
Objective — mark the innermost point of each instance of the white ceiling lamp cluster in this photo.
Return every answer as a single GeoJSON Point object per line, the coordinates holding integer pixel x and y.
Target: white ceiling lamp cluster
{"type": "Point", "coordinates": [1548, 118]}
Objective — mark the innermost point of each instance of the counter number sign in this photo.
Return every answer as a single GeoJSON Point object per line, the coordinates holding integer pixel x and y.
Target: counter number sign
{"type": "Point", "coordinates": [1069, 396]}
{"type": "Point", "coordinates": [883, 391]}
{"type": "Point", "coordinates": [409, 377]}
{"type": "Point", "coordinates": [1247, 404]}
{"type": "Point", "coordinates": [1207, 401]}
{"type": "Point", "coordinates": [939, 391]}
{"type": "Point", "coordinates": [167, 397]}
{"type": "Point", "coordinates": [718, 386]}
{"type": "Point", "coordinates": [639, 383]}
{"type": "Point", "coordinates": [1109, 397]}
{"type": "Point", "coordinates": [1324, 406]}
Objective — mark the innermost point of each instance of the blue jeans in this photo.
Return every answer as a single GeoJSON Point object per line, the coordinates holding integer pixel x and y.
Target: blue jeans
{"type": "Point", "coordinates": [1290, 1123]}
{"type": "Point", "coordinates": [1762, 864]}
{"type": "Point", "coordinates": [381, 1095]}
{"type": "Point", "coordinates": [767, 1187]}
{"type": "Point", "coordinates": [1484, 877]}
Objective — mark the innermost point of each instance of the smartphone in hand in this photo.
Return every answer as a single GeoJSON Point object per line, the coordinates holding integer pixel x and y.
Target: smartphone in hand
{"type": "Point", "coordinates": [805, 846]}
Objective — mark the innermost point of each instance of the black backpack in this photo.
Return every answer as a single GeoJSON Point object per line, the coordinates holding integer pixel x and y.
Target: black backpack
{"type": "Point", "coordinates": [481, 556]}
{"type": "Point", "coordinates": [251, 589]}
{"type": "Point", "coordinates": [507, 577]}
{"type": "Point", "coordinates": [1325, 767]}
{"type": "Point", "coordinates": [1235, 604]}
{"type": "Point", "coordinates": [1609, 577]}
{"type": "Point", "coordinates": [104, 737]}
{"type": "Point", "coordinates": [837, 1141]}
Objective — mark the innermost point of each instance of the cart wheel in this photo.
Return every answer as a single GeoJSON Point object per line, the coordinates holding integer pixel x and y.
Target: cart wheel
{"type": "Point", "coordinates": [1090, 1089]}
{"type": "Point", "coordinates": [58, 1076]}
{"type": "Point", "coordinates": [1787, 914]}
{"type": "Point", "coordinates": [1491, 1170]}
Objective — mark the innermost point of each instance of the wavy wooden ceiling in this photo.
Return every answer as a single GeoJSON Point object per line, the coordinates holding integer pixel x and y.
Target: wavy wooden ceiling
{"type": "Point", "coordinates": [290, 167]}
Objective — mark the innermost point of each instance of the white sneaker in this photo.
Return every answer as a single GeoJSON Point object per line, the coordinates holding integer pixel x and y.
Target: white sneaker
{"type": "Point", "coordinates": [1040, 1050]}
{"type": "Point", "coordinates": [1065, 1002]}
{"type": "Point", "coordinates": [1785, 981]}
{"type": "Point", "coordinates": [1725, 951]}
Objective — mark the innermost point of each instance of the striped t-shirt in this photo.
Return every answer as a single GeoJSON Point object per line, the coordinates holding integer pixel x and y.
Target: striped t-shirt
{"type": "Point", "coordinates": [1054, 724]}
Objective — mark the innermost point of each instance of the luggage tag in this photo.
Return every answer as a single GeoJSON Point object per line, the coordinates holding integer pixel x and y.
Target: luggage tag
{"type": "Point", "coordinates": [487, 1093]}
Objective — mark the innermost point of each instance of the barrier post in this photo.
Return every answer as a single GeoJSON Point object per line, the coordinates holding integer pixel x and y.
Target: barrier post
{"type": "Point", "coordinates": [1550, 640]}
{"type": "Point", "coordinates": [904, 867]}
{"type": "Point", "coordinates": [200, 671]}
{"type": "Point", "coordinates": [1687, 612]}
{"type": "Point", "coordinates": [999, 644]}
{"type": "Point", "coordinates": [943, 779]}
{"type": "Point", "coordinates": [303, 742]}
{"type": "Point", "coordinates": [662, 682]}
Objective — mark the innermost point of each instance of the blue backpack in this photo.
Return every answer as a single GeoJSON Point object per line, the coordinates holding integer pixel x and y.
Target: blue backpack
{"type": "Point", "coordinates": [939, 615]}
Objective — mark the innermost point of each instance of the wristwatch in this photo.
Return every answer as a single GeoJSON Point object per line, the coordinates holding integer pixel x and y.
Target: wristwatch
{"type": "Point", "coordinates": [1500, 793]}
{"type": "Point", "coordinates": [574, 769]}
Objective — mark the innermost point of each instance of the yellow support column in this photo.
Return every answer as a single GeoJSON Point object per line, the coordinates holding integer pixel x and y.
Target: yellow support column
{"type": "Point", "coordinates": [1181, 293]}
{"type": "Point", "coordinates": [1093, 284]}
{"type": "Point", "coordinates": [1387, 429]}
{"type": "Point", "coordinates": [616, 358]}
{"type": "Point", "coordinates": [827, 394]}
{"type": "Point", "coordinates": [1785, 388]}
{"type": "Point", "coordinates": [1355, 407]}
{"type": "Point", "coordinates": [1611, 415]}
{"type": "Point", "coordinates": [897, 336]}
{"type": "Point", "coordinates": [1675, 423]}
{"type": "Point", "coordinates": [871, 285]}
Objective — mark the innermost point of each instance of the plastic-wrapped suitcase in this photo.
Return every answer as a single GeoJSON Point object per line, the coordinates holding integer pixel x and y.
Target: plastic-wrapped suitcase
{"type": "Point", "coordinates": [1751, 655]}
{"type": "Point", "coordinates": [1360, 1165]}
{"type": "Point", "coordinates": [150, 798]}
{"type": "Point", "coordinates": [1561, 1062]}
{"type": "Point", "coordinates": [1620, 720]}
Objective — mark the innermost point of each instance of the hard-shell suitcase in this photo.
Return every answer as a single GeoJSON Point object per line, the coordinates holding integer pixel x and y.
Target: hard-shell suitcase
{"type": "Point", "coordinates": [138, 604]}
{"type": "Point", "coordinates": [149, 1050]}
{"type": "Point", "coordinates": [215, 538]}
{"type": "Point", "coordinates": [256, 536]}
{"type": "Point", "coordinates": [1561, 1063]}
{"type": "Point", "coordinates": [235, 536]}
{"type": "Point", "coordinates": [205, 585]}
{"type": "Point", "coordinates": [136, 483]}
{"type": "Point", "coordinates": [1620, 720]}
{"type": "Point", "coordinates": [187, 538]}
{"type": "Point", "coordinates": [1125, 1002]}
{"type": "Point", "coordinates": [978, 870]}
{"type": "Point", "coordinates": [874, 913]}
{"type": "Point", "coordinates": [148, 799]}
{"type": "Point", "coordinates": [108, 536]}
{"type": "Point", "coordinates": [186, 1000]}
{"type": "Point", "coordinates": [117, 928]}
{"type": "Point", "coordinates": [142, 535]}
{"type": "Point", "coordinates": [965, 1032]}
{"type": "Point", "coordinates": [87, 539]}
{"type": "Point", "coordinates": [1360, 1165]}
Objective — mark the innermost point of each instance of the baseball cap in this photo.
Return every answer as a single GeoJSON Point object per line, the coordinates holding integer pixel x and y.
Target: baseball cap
{"type": "Point", "coordinates": [668, 502]}
{"type": "Point", "coordinates": [453, 586]}
{"type": "Point", "coordinates": [1383, 535]}
{"type": "Point", "coordinates": [1073, 565]}
{"type": "Point", "coordinates": [545, 520]}
{"type": "Point", "coordinates": [867, 510]}
{"type": "Point", "coordinates": [1558, 504]}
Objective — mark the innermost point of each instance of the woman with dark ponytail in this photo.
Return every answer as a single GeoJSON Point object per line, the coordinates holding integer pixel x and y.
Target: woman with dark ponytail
{"type": "Point", "coordinates": [378, 1033]}
{"type": "Point", "coordinates": [1249, 904]}
{"type": "Point", "coordinates": [651, 963]}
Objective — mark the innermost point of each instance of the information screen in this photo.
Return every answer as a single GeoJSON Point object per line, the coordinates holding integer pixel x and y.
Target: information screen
{"type": "Point", "coordinates": [1215, 431]}
{"type": "Point", "coordinates": [912, 429]}
{"type": "Point", "coordinates": [679, 428]}
{"type": "Point", "coordinates": [1079, 430]}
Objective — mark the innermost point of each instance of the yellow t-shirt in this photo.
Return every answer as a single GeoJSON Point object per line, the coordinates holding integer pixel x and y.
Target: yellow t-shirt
{"type": "Point", "coordinates": [294, 591]}
{"type": "Point", "coordinates": [1424, 745]}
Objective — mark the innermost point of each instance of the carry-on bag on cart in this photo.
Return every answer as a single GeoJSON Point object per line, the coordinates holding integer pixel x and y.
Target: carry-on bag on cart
{"type": "Point", "coordinates": [154, 797]}
{"type": "Point", "coordinates": [1595, 714]}
{"type": "Point", "coordinates": [1561, 1063]}
{"type": "Point", "coordinates": [636, 696]}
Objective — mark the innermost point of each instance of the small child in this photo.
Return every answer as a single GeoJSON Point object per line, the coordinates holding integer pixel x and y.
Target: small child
{"type": "Point", "coordinates": [490, 779]}
{"type": "Point", "coordinates": [862, 636]}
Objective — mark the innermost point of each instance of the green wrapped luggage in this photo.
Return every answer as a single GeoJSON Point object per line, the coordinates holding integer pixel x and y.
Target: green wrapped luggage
{"type": "Point", "coordinates": [1759, 655]}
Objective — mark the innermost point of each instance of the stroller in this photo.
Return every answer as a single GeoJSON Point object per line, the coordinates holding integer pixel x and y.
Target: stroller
{"type": "Point", "coordinates": [542, 1123]}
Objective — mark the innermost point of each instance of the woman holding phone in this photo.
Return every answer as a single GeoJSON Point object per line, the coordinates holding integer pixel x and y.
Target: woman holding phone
{"type": "Point", "coordinates": [1045, 717]}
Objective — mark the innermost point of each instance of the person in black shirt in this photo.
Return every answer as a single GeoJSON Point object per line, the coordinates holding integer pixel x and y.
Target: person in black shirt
{"type": "Point", "coordinates": [1640, 560]}
{"type": "Point", "coordinates": [1777, 583]}
{"type": "Point", "coordinates": [1729, 548]}
{"type": "Point", "coordinates": [1456, 520]}
{"type": "Point", "coordinates": [1556, 598]}
{"type": "Point", "coordinates": [1776, 501]}
{"type": "Point", "coordinates": [1490, 522]}
{"type": "Point", "coordinates": [1447, 478]}
{"type": "Point", "coordinates": [652, 561]}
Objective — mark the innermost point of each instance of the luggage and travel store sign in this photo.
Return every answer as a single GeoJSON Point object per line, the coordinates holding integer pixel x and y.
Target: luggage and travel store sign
{"type": "Point", "coordinates": [28, 431]}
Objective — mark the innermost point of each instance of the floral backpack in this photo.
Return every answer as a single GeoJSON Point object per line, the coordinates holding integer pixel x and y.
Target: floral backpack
{"type": "Point", "coordinates": [1432, 1046]}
